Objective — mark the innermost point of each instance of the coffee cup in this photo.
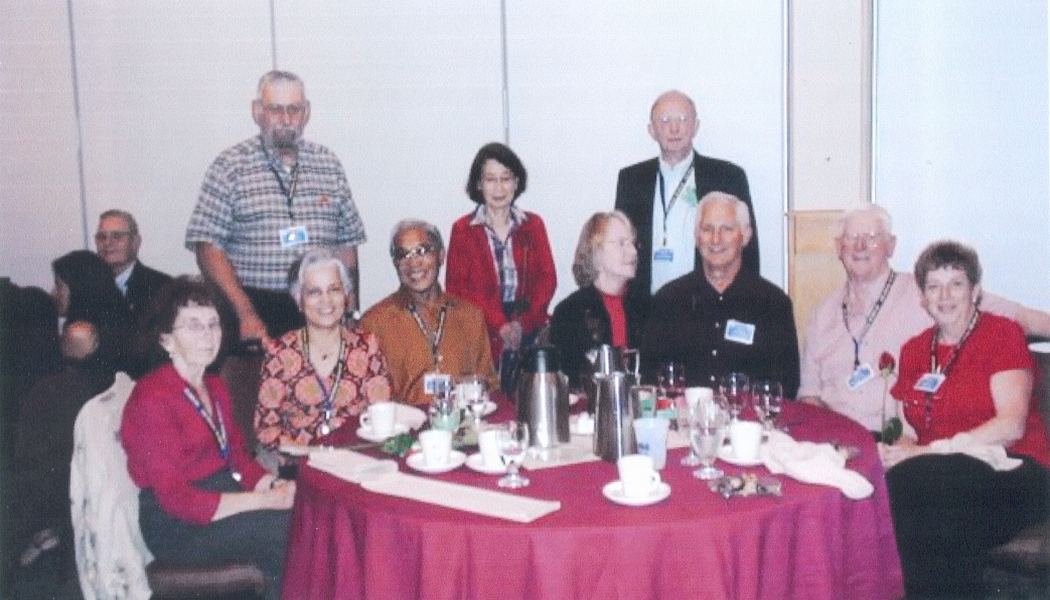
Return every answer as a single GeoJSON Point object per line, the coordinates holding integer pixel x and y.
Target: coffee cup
{"type": "Point", "coordinates": [437, 446]}
{"type": "Point", "coordinates": [638, 477]}
{"type": "Point", "coordinates": [488, 445]}
{"type": "Point", "coordinates": [650, 433]}
{"type": "Point", "coordinates": [745, 438]}
{"type": "Point", "coordinates": [380, 418]}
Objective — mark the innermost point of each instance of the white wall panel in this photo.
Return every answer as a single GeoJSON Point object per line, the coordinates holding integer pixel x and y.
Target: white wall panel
{"type": "Point", "coordinates": [962, 135]}
{"type": "Point", "coordinates": [405, 94]}
{"type": "Point", "coordinates": [583, 76]}
{"type": "Point", "coordinates": [164, 88]}
{"type": "Point", "coordinates": [39, 188]}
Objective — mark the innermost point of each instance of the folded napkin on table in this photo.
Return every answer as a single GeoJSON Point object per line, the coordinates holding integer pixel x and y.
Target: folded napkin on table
{"type": "Point", "coordinates": [963, 443]}
{"type": "Point", "coordinates": [579, 449]}
{"type": "Point", "coordinates": [810, 462]}
{"type": "Point", "coordinates": [349, 465]}
{"type": "Point", "coordinates": [462, 497]}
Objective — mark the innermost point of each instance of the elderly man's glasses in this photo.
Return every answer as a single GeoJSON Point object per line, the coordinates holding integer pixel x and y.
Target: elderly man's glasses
{"type": "Point", "coordinates": [871, 239]}
{"type": "Point", "coordinates": [198, 327]}
{"type": "Point", "coordinates": [402, 254]}
{"type": "Point", "coordinates": [679, 119]}
{"type": "Point", "coordinates": [292, 110]}
{"type": "Point", "coordinates": [116, 236]}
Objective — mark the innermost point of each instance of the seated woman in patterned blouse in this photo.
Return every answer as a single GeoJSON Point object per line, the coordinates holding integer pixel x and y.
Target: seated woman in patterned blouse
{"type": "Point", "coordinates": [315, 378]}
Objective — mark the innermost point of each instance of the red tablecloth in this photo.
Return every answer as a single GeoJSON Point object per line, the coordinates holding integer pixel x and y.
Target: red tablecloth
{"type": "Point", "coordinates": [812, 543]}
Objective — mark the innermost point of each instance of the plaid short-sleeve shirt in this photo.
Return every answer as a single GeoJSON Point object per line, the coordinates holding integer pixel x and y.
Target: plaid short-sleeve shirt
{"type": "Point", "coordinates": [243, 207]}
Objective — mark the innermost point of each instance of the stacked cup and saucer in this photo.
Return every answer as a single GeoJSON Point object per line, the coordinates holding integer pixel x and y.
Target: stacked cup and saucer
{"type": "Point", "coordinates": [436, 455]}
{"type": "Point", "coordinates": [639, 483]}
{"type": "Point", "coordinates": [379, 422]}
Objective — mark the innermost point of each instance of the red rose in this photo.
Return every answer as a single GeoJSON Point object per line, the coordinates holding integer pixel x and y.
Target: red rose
{"type": "Point", "coordinates": [886, 364]}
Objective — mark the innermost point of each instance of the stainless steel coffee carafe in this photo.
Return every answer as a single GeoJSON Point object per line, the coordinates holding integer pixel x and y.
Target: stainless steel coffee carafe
{"type": "Point", "coordinates": [542, 396]}
{"type": "Point", "coordinates": [613, 416]}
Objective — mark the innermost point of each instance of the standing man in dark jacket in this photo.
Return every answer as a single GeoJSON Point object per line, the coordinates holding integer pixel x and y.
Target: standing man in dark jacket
{"type": "Point", "coordinates": [660, 194]}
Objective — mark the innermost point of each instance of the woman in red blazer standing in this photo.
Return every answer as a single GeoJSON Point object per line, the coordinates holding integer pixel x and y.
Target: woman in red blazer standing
{"type": "Point", "coordinates": [499, 256]}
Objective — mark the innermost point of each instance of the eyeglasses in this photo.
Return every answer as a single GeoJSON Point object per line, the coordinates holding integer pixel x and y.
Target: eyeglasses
{"type": "Point", "coordinates": [111, 235]}
{"type": "Point", "coordinates": [401, 255]}
{"type": "Point", "coordinates": [680, 119]}
{"type": "Point", "coordinates": [292, 110]}
{"type": "Point", "coordinates": [870, 239]}
{"type": "Point", "coordinates": [198, 327]}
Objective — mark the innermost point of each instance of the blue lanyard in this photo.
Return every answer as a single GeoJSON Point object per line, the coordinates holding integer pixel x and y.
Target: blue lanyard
{"type": "Point", "coordinates": [216, 425]}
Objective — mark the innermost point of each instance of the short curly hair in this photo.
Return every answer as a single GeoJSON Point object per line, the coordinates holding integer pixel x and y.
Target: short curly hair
{"type": "Point", "coordinates": [948, 254]}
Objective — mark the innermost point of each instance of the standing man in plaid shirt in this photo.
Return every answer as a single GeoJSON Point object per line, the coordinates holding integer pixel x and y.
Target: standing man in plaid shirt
{"type": "Point", "coordinates": [266, 201]}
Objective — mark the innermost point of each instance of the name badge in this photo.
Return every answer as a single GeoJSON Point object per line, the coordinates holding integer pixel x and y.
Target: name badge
{"type": "Point", "coordinates": [432, 382]}
{"type": "Point", "coordinates": [930, 382]}
{"type": "Point", "coordinates": [861, 375]}
{"type": "Point", "coordinates": [663, 255]}
{"type": "Point", "coordinates": [740, 332]}
{"type": "Point", "coordinates": [294, 236]}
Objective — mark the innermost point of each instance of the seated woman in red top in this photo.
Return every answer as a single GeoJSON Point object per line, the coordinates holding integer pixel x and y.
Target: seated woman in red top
{"type": "Point", "coordinates": [317, 377]}
{"type": "Point", "coordinates": [965, 384]}
{"type": "Point", "coordinates": [606, 309]}
{"type": "Point", "coordinates": [203, 499]}
{"type": "Point", "coordinates": [499, 257]}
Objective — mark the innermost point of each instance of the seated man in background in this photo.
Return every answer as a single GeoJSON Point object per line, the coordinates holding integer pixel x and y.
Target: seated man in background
{"type": "Point", "coordinates": [117, 242]}
{"type": "Point", "coordinates": [721, 318]}
{"type": "Point", "coordinates": [425, 333]}
{"type": "Point", "coordinates": [875, 312]}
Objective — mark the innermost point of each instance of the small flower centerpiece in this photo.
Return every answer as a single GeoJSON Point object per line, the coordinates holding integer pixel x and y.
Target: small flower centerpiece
{"type": "Point", "coordinates": [892, 428]}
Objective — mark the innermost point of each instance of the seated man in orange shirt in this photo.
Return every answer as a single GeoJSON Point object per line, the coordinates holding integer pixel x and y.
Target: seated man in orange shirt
{"type": "Point", "coordinates": [426, 334]}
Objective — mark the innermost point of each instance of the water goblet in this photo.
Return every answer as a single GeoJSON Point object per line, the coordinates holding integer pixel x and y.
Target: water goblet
{"type": "Point", "coordinates": [707, 432]}
{"type": "Point", "coordinates": [473, 391]}
{"type": "Point", "coordinates": [735, 388]}
{"type": "Point", "coordinates": [769, 398]}
{"type": "Point", "coordinates": [513, 443]}
{"type": "Point", "coordinates": [685, 418]}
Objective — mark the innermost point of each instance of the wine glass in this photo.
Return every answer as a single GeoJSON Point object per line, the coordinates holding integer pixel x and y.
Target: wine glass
{"type": "Point", "coordinates": [685, 417]}
{"type": "Point", "coordinates": [707, 432]}
{"type": "Point", "coordinates": [513, 443]}
{"type": "Point", "coordinates": [735, 388]}
{"type": "Point", "coordinates": [769, 398]}
{"type": "Point", "coordinates": [473, 390]}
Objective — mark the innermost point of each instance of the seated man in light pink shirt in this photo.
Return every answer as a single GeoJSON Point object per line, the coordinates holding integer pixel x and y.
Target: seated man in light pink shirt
{"type": "Point", "coordinates": [875, 312]}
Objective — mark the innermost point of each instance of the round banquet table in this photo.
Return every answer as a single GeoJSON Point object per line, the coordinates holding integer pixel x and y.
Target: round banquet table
{"type": "Point", "coordinates": [813, 543]}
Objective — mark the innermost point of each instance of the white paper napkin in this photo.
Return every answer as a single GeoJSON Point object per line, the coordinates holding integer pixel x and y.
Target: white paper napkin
{"type": "Point", "coordinates": [810, 462]}
{"type": "Point", "coordinates": [579, 449]}
{"type": "Point", "coordinates": [349, 465]}
{"type": "Point", "coordinates": [964, 443]}
{"type": "Point", "coordinates": [462, 497]}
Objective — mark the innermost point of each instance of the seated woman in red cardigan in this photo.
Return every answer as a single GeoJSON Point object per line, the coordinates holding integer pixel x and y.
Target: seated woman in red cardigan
{"type": "Point", "coordinates": [499, 256]}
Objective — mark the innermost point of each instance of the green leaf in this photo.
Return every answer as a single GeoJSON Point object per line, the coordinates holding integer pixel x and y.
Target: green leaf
{"type": "Point", "coordinates": [399, 444]}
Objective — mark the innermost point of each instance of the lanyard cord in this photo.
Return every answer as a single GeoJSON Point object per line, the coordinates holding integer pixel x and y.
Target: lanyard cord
{"type": "Point", "coordinates": [217, 427]}
{"type": "Point", "coordinates": [289, 192]}
{"type": "Point", "coordinates": [667, 206]}
{"type": "Point", "coordinates": [435, 338]}
{"type": "Point", "coordinates": [329, 402]}
{"type": "Point", "coordinates": [936, 368]}
{"type": "Point", "coordinates": [858, 340]}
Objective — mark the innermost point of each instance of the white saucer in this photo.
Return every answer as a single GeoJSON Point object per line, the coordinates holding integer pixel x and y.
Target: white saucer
{"type": "Point", "coordinates": [366, 433]}
{"type": "Point", "coordinates": [455, 461]}
{"type": "Point", "coordinates": [476, 463]}
{"type": "Point", "coordinates": [725, 453]}
{"type": "Point", "coordinates": [490, 407]}
{"type": "Point", "coordinates": [614, 492]}
{"type": "Point", "coordinates": [410, 416]}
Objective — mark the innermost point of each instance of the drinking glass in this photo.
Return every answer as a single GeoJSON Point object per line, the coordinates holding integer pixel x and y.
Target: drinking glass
{"type": "Point", "coordinates": [686, 416]}
{"type": "Point", "coordinates": [475, 396]}
{"type": "Point", "coordinates": [513, 443]}
{"type": "Point", "coordinates": [671, 381]}
{"type": "Point", "coordinates": [707, 432]}
{"type": "Point", "coordinates": [769, 398]}
{"type": "Point", "coordinates": [735, 388]}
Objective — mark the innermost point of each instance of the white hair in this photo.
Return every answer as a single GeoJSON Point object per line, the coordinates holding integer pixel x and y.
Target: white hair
{"type": "Point", "coordinates": [874, 210]}
{"type": "Point", "coordinates": [740, 208]}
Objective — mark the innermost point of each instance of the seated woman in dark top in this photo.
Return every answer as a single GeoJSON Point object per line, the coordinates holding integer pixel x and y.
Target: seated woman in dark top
{"type": "Point", "coordinates": [203, 499]}
{"type": "Point", "coordinates": [965, 385]}
{"type": "Point", "coordinates": [85, 291]}
{"type": "Point", "coordinates": [606, 309]}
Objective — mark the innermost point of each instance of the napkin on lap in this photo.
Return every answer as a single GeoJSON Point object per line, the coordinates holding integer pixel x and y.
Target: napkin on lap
{"type": "Point", "coordinates": [964, 443]}
{"type": "Point", "coordinates": [462, 497]}
{"type": "Point", "coordinates": [810, 462]}
{"type": "Point", "coordinates": [349, 465]}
